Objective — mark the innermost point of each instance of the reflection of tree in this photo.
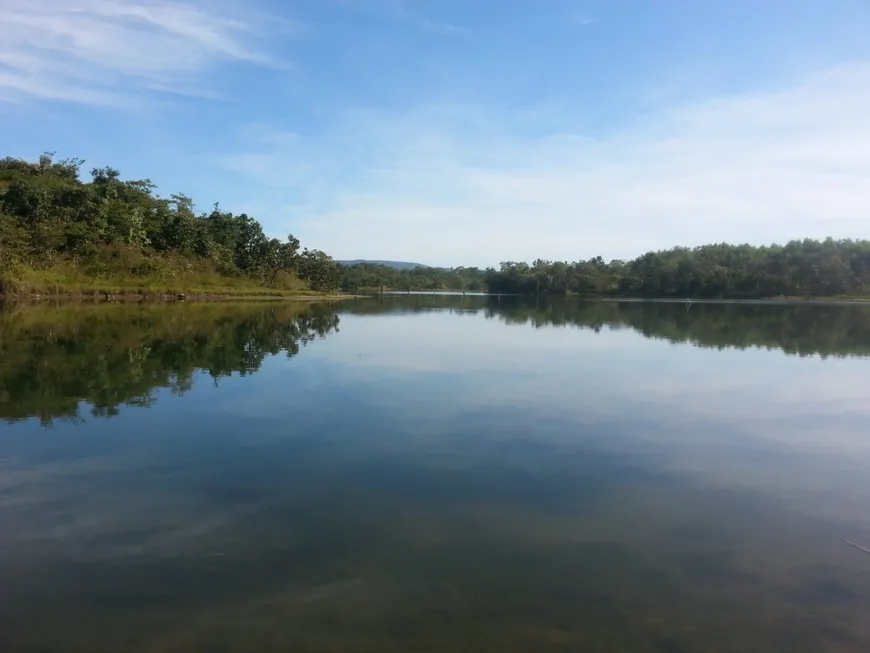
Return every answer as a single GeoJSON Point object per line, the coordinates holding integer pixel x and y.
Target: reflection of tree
{"type": "Point", "coordinates": [797, 328]}
{"type": "Point", "coordinates": [50, 361]}
{"type": "Point", "coordinates": [803, 329]}
{"type": "Point", "coordinates": [109, 356]}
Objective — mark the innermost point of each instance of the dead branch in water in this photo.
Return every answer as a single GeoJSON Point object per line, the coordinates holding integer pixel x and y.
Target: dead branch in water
{"type": "Point", "coordinates": [857, 546]}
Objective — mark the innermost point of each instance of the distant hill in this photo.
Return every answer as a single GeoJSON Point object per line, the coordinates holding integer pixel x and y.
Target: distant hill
{"type": "Point", "coordinates": [399, 265]}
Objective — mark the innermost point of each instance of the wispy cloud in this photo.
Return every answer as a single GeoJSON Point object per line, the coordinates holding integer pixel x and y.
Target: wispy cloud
{"type": "Point", "coordinates": [399, 10]}
{"type": "Point", "coordinates": [404, 11]}
{"type": "Point", "coordinates": [97, 51]}
{"type": "Point", "coordinates": [465, 186]}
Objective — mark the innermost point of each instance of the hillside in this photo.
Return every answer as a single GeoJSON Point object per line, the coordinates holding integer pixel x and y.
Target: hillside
{"type": "Point", "coordinates": [396, 265]}
{"type": "Point", "coordinates": [62, 235]}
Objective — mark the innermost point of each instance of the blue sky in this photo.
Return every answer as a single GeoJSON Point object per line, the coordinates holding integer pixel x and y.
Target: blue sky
{"type": "Point", "coordinates": [462, 131]}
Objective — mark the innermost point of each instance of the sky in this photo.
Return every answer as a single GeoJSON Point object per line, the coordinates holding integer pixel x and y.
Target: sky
{"type": "Point", "coordinates": [462, 132]}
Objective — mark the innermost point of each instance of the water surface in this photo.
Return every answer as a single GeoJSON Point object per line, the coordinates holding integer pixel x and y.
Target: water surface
{"type": "Point", "coordinates": [434, 473]}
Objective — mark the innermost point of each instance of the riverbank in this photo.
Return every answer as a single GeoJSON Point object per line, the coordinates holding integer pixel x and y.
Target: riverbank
{"type": "Point", "coordinates": [207, 296]}
{"type": "Point", "coordinates": [837, 299]}
{"type": "Point", "coordinates": [15, 302]}
{"type": "Point", "coordinates": [66, 283]}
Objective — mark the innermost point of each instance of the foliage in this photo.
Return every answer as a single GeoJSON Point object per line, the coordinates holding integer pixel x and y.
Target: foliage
{"type": "Point", "coordinates": [372, 276]}
{"type": "Point", "coordinates": [797, 269]}
{"type": "Point", "coordinates": [108, 227]}
{"type": "Point", "coordinates": [807, 268]}
{"type": "Point", "coordinates": [318, 269]}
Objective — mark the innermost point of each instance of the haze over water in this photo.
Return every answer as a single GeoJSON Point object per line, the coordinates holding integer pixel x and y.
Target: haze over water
{"type": "Point", "coordinates": [433, 473]}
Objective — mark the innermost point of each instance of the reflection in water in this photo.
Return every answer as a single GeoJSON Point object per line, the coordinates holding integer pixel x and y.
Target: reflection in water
{"type": "Point", "coordinates": [804, 328]}
{"type": "Point", "coordinates": [434, 478]}
{"type": "Point", "coordinates": [51, 360]}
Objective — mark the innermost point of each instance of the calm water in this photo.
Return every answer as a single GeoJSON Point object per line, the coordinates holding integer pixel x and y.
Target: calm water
{"type": "Point", "coordinates": [435, 474]}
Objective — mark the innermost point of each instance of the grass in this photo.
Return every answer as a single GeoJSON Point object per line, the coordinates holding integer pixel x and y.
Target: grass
{"type": "Point", "coordinates": [123, 275]}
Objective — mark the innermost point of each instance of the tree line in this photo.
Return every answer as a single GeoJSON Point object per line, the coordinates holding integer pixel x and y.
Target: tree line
{"type": "Point", "coordinates": [106, 227]}
{"type": "Point", "coordinates": [800, 268]}
{"type": "Point", "coordinates": [374, 277]}
{"type": "Point", "coordinates": [49, 216]}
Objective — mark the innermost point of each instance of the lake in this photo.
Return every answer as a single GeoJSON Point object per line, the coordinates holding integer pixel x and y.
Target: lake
{"type": "Point", "coordinates": [435, 473]}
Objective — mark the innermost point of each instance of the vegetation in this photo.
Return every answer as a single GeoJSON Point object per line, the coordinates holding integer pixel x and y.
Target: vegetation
{"type": "Point", "coordinates": [399, 265]}
{"type": "Point", "coordinates": [52, 360]}
{"type": "Point", "coordinates": [374, 277]}
{"type": "Point", "coordinates": [798, 269]}
{"type": "Point", "coordinates": [60, 234]}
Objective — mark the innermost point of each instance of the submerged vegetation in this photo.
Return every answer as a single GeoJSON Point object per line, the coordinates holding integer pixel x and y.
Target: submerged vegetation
{"type": "Point", "coordinates": [61, 234]}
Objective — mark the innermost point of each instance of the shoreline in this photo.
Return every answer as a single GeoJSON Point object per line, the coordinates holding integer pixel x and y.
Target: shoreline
{"type": "Point", "coordinates": [736, 300]}
{"type": "Point", "coordinates": [168, 298]}
{"type": "Point", "coordinates": [105, 297]}
{"type": "Point", "coordinates": [618, 298]}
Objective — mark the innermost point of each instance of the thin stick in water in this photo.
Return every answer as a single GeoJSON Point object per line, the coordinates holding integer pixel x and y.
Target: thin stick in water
{"type": "Point", "coordinates": [857, 546]}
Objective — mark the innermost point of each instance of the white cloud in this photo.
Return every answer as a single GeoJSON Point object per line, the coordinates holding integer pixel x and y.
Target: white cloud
{"type": "Point", "coordinates": [97, 51]}
{"type": "Point", "coordinates": [462, 185]}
